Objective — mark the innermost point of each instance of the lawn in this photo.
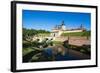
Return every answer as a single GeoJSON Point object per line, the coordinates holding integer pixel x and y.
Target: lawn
{"type": "Point", "coordinates": [27, 50]}
{"type": "Point", "coordinates": [57, 42]}
{"type": "Point", "coordinates": [85, 33]}
{"type": "Point", "coordinates": [86, 49]}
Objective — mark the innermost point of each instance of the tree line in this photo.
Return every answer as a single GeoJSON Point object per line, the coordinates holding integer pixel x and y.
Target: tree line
{"type": "Point", "coordinates": [27, 33]}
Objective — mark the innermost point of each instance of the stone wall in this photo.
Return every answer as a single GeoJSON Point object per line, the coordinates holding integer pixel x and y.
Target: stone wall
{"type": "Point", "coordinates": [79, 41]}
{"type": "Point", "coordinates": [75, 40]}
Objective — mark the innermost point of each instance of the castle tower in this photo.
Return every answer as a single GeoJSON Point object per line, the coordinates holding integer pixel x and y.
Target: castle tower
{"type": "Point", "coordinates": [63, 23]}
{"type": "Point", "coordinates": [63, 27]}
{"type": "Point", "coordinates": [82, 27]}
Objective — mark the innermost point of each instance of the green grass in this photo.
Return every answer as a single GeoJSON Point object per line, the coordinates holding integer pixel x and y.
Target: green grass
{"type": "Point", "coordinates": [27, 50]}
{"type": "Point", "coordinates": [83, 49]}
{"type": "Point", "coordinates": [57, 42]}
{"type": "Point", "coordinates": [85, 33]}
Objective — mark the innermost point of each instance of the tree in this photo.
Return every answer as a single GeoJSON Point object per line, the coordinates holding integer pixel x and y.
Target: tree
{"type": "Point", "coordinates": [29, 33]}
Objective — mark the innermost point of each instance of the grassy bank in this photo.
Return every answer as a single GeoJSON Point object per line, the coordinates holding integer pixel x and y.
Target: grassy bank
{"type": "Point", "coordinates": [85, 33]}
{"type": "Point", "coordinates": [57, 42]}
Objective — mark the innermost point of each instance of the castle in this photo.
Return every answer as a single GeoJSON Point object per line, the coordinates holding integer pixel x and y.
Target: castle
{"type": "Point", "coordinates": [59, 29]}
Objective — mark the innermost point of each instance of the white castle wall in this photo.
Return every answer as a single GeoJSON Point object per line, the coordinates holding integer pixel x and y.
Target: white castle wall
{"type": "Point", "coordinates": [59, 32]}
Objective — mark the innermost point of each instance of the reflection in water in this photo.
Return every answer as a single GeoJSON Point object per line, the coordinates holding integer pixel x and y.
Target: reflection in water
{"type": "Point", "coordinates": [58, 57]}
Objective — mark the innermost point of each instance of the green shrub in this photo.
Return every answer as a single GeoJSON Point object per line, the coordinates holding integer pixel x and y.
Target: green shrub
{"type": "Point", "coordinates": [27, 44]}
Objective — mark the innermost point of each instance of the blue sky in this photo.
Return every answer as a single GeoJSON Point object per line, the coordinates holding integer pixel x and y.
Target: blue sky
{"type": "Point", "coordinates": [46, 20]}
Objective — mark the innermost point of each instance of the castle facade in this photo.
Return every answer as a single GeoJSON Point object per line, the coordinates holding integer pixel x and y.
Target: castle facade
{"type": "Point", "coordinates": [59, 29]}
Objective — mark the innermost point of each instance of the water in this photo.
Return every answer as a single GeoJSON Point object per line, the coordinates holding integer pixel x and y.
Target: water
{"type": "Point", "coordinates": [49, 52]}
{"type": "Point", "coordinates": [65, 57]}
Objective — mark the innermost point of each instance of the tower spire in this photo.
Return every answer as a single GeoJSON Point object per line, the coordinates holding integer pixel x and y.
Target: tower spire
{"type": "Point", "coordinates": [81, 26]}
{"type": "Point", "coordinates": [63, 23]}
